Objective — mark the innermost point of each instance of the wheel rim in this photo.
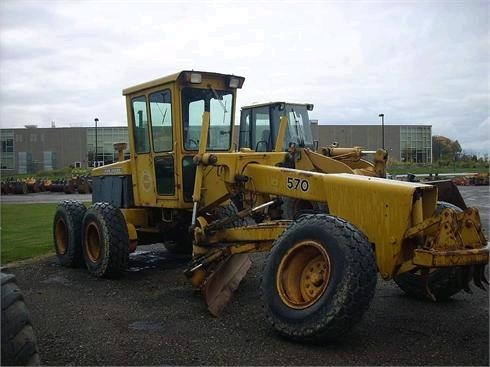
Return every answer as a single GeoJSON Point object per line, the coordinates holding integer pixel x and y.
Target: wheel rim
{"type": "Point", "coordinates": [61, 234]}
{"type": "Point", "coordinates": [303, 274]}
{"type": "Point", "coordinates": [92, 242]}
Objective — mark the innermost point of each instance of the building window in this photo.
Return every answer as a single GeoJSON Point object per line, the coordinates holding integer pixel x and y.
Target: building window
{"type": "Point", "coordinates": [7, 160]}
{"type": "Point", "coordinates": [415, 144]}
{"type": "Point", "coordinates": [49, 160]}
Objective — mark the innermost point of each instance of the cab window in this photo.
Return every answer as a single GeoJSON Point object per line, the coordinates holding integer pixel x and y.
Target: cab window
{"type": "Point", "coordinates": [140, 125]}
{"type": "Point", "coordinates": [262, 138]}
{"type": "Point", "coordinates": [245, 129]}
{"type": "Point", "coordinates": [299, 130]}
{"type": "Point", "coordinates": [161, 120]}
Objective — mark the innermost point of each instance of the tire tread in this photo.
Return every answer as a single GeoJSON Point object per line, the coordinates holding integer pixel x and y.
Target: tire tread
{"type": "Point", "coordinates": [72, 212]}
{"type": "Point", "coordinates": [346, 310]}
{"type": "Point", "coordinates": [115, 234]}
{"type": "Point", "coordinates": [19, 344]}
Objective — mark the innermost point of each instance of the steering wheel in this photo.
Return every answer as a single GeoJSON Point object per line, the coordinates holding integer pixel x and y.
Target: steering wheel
{"type": "Point", "coordinates": [191, 143]}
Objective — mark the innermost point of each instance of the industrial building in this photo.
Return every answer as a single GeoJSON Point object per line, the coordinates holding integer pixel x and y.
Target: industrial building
{"type": "Point", "coordinates": [32, 149]}
{"type": "Point", "coordinates": [404, 143]}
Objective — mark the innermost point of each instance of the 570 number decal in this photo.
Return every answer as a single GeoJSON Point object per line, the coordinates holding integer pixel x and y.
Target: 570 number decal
{"type": "Point", "coordinates": [298, 184]}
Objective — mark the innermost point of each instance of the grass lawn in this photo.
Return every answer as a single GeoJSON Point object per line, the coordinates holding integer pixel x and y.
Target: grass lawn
{"type": "Point", "coordinates": [26, 230]}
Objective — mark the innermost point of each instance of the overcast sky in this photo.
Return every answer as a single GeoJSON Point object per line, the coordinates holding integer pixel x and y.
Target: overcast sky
{"type": "Point", "coordinates": [418, 62]}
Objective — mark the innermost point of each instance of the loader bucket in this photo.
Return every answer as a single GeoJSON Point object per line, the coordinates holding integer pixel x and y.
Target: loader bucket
{"type": "Point", "coordinates": [220, 285]}
{"type": "Point", "coordinates": [448, 192]}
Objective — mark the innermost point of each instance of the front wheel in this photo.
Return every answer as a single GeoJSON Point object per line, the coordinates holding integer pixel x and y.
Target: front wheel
{"type": "Point", "coordinates": [105, 241]}
{"type": "Point", "coordinates": [319, 279]}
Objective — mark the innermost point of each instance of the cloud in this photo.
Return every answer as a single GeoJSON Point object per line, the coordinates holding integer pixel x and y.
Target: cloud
{"type": "Point", "coordinates": [416, 62]}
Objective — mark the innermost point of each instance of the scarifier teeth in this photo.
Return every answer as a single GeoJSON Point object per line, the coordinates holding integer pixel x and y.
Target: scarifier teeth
{"type": "Point", "coordinates": [479, 277]}
{"type": "Point", "coordinates": [466, 275]}
{"type": "Point", "coordinates": [477, 281]}
{"type": "Point", "coordinates": [428, 293]}
{"type": "Point", "coordinates": [484, 279]}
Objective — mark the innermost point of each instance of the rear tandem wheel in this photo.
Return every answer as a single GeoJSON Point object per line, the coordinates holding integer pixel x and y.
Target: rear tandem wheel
{"type": "Point", "coordinates": [67, 232]}
{"type": "Point", "coordinates": [319, 279]}
{"type": "Point", "coordinates": [105, 241]}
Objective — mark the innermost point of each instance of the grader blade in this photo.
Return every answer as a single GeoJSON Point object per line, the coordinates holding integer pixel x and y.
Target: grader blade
{"type": "Point", "coordinates": [220, 285]}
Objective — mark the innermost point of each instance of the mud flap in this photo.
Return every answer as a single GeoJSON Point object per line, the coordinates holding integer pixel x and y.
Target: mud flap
{"type": "Point", "coordinates": [220, 285]}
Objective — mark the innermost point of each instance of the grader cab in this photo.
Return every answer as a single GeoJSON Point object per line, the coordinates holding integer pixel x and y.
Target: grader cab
{"type": "Point", "coordinates": [261, 125]}
{"type": "Point", "coordinates": [185, 185]}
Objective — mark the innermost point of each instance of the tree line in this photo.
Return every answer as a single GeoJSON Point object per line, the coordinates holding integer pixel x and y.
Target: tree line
{"type": "Point", "coordinates": [445, 150]}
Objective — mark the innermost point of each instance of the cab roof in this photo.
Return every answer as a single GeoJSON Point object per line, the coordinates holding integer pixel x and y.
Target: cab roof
{"type": "Point", "coordinates": [275, 103]}
{"type": "Point", "coordinates": [172, 78]}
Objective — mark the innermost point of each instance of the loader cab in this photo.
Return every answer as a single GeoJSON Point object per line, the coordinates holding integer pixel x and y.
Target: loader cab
{"type": "Point", "coordinates": [259, 126]}
{"type": "Point", "coordinates": [165, 120]}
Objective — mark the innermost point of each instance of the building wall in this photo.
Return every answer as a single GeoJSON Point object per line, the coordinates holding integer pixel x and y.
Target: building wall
{"type": "Point", "coordinates": [403, 142]}
{"type": "Point", "coordinates": [38, 149]}
{"type": "Point", "coordinates": [366, 136]}
{"type": "Point", "coordinates": [30, 150]}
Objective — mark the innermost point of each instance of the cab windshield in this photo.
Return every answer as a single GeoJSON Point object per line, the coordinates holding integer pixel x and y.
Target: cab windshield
{"type": "Point", "coordinates": [219, 104]}
{"type": "Point", "coordinates": [259, 126]}
{"type": "Point", "coordinates": [299, 128]}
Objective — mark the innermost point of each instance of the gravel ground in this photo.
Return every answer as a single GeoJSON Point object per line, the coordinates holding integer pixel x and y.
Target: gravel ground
{"type": "Point", "coordinates": [152, 317]}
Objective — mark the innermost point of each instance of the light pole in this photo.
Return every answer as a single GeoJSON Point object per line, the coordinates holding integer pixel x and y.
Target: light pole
{"type": "Point", "coordinates": [95, 158]}
{"type": "Point", "coordinates": [382, 115]}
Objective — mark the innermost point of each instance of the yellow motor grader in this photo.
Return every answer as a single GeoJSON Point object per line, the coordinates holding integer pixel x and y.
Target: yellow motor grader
{"type": "Point", "coordinates": [186, 186]}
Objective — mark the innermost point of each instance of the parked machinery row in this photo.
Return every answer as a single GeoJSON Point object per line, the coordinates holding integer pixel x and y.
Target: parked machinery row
{"type": "Point", "coordinates": [76, 184]}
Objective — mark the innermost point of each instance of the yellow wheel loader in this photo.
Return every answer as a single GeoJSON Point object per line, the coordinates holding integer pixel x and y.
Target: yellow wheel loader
{"type": "Point", "coordinates": [185, 185]}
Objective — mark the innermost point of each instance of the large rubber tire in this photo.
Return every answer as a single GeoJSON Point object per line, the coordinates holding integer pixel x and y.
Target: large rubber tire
{"type": "Point", "coordinates": [443, 282]}
{"type": "Point", "coordinates": [105, 241]}
{"type": "Point", "coordinates": [342, 296]}
{"type": "Point", "coordinates": [19, 344]}
{"type": "Point", "coordinates": [20, 188]}
{"type": "Point", "coordinates": [67, 232]}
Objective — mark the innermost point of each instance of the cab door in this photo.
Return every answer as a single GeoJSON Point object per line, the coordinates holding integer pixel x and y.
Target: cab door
{"type": "Point", "coordinates": [143, 172]}
{"type": "Point", "coordinates": [154, 171]}
{"type": "Point", "coordinates": [163, 146]}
